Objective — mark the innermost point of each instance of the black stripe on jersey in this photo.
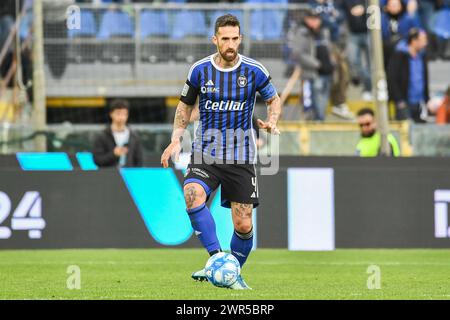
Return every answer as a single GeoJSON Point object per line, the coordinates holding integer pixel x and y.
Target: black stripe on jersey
{"type": "Point", "coordinates": [221, 113]}
{"type": "Point", "coordinates": [237, 92]}
{"type": "Point", "coordinates": [242, 118]}
{"type": "Point", "coordinates": [249, 117]}
{"type": "Point", "coordinates": [214, 119]}
{"type": "Point", "coordinates": [205, 121]}
{"type": "Point", "coordinates": [229, 96]}
{"type": "Point", "coordinates": [201, 125]}
{"type": "Point", "coordinates": [227, 115]}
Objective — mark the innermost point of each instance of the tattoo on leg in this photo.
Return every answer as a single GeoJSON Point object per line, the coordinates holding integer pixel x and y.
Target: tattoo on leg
{"type": "Point", "coordinates": [243, 210]}
{"type": "Point", "coordinates": [190, 196]}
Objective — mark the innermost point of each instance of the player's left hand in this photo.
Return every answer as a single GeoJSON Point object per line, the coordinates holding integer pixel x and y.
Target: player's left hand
{"type": "Point", "coordinates": [268, 126]}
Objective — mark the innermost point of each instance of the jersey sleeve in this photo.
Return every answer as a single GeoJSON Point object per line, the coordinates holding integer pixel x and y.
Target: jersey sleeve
{"type": "Point", "coordinates": [264, 84]}
{"type": "Point", "coordinates": [191, 87]}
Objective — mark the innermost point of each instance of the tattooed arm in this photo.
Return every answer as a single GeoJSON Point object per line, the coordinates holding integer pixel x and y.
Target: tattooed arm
{"type": "Point", "coordinates": [273, 114]}
{"type": "Point", "coordinates": [180, 123]}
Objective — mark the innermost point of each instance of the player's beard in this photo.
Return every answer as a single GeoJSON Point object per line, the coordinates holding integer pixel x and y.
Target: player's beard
{"type": "Point", "coordinates": [227, 56]}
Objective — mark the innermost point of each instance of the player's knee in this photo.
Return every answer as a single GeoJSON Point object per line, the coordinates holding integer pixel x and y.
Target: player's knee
{"type": "Point", "coordinates": [243, 226]}
{"type": "Point", "coordinates": [194, 195]}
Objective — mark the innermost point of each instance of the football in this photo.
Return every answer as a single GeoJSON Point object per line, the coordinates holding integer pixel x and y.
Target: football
{"type": "Point", "coordinates": [222, 269]}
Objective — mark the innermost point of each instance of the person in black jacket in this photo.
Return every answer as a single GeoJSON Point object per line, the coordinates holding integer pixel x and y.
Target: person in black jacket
{"type": "Point", "coordinates": [408, 77]}
{"type": "Point", "coordinates": [118, 145]}
{"type": "Point", "coordinates": [359, 48]}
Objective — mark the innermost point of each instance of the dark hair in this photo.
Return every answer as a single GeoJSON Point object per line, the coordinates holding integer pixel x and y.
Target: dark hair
{"type": "Point", "coordinates": [413, 34]}
{"type": "Point", "coordinates": [119, 104]}
{"type": "Point", "coordinates": [226, 20]}
{"type": "Point", "coordinates": [365, 111]}
{"type": "Point", "coordinates": [311, 13]}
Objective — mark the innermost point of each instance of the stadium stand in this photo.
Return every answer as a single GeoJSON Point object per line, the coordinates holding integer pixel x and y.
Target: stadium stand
{"type": "Point", "coordinates": [155, 30]}
{"type": "Point", "coordinates": [80, 51]}
{"type": "Point", "coordinates": [441, 28]}
{"type": "Point", "coordinates": [117, 25]}
{"type": "Point", "coordinates": [189, 26]}
{"type": "Point", "coordinates": [142, 50]}
{"type": "Point", "coordinates": [154, 23]}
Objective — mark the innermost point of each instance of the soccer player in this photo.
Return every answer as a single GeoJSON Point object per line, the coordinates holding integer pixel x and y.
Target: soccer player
{"type": "Point", "coordinates": [224, 148]}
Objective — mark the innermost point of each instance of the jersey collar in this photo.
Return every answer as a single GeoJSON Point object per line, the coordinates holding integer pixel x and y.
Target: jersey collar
{"type": "Point", "coordinates": [226, 69]}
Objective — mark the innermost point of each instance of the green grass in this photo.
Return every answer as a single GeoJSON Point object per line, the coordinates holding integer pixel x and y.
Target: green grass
{"type": "Point", "coordinates": [273, 274]}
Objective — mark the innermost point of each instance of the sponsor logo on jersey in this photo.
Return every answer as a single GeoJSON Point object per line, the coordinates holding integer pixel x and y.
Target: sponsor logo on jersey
{"type": "Point", "coordinates": [229, 105]}
{"type": "Point", "coordinates": [209, 90]}
{"type": "Point", "coordinates": [209, 87]}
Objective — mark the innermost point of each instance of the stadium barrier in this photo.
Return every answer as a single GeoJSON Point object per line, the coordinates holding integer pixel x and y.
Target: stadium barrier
{"type": "Point", "coordinates": [142, 49]}
{"type": "Point", "coordinates": [58, 201]}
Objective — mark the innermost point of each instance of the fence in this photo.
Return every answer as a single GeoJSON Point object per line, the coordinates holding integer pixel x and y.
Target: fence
{"type": "Point", "coordinates": [146, 49]}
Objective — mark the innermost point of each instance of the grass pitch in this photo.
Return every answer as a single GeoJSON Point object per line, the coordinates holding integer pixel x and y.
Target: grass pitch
{"type": "Point", "coordinates": [273, 274]}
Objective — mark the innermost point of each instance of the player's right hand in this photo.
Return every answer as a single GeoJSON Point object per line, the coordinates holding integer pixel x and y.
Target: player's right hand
{"type": "Point", "coordinates": [173, 149]}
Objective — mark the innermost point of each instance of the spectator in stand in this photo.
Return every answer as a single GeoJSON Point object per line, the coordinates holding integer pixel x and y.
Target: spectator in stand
{"type": "Point", "coordinates": [310, 47]}
{"type": "Point", "coordinates": [426, 12]}
{"type": "Point", "coordinates": [330, 15]}
{"type": "Point", "coordinates": [396, 20]}
{"type": "Point", "coordinates": [7, 14]}
{"type": "Point", "coordinates": [118, 145]}
{"type": "Point", "coordinates": [359, 49]}
{"type": "Point", "coordinates": [332, 19]}
{"type": "Point", "coordinates": [408, 77]}
{"type": "Point", "coordinates": [370, 143]}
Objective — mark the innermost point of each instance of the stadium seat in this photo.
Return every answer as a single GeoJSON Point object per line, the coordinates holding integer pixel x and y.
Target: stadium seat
{"type": "Point", "coordinates": [87, 23]}
{"type": "Point", "coordinates": [267, 24]}
{"type": "Point", "coordinates": [441, 24]}
{"type": "Point", "coordinates": [189, 24]}
{"type": "Point", "coordinates": [441, 28]}
{"type": "Point", "coordinates": [116, 24]}
{"type": "Point", "coordinates": [154, 23]}
{"type": "Point", "coordinates": [257, 21]}
{"type": "Point", "coordinates": [81, 51]}
{"type": "Point", "coordinates": [273, 25]}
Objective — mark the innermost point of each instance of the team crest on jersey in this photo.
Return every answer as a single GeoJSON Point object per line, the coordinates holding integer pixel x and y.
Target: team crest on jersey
{"type": "Point", "coordinates": [242, 81]}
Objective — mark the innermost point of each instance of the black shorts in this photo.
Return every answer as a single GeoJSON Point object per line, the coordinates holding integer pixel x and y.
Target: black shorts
{"type": "Point", "coordinates": [238, 181]}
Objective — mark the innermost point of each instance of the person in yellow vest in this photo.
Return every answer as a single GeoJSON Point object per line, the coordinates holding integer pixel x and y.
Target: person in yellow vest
{"type": "Point", "coordinates": [370, 143]}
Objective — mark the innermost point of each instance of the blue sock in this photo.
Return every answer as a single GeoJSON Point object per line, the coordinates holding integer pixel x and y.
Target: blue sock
{"type": "Point", "coordinates": [241, 246]}
{"type": "Point", "coordinates": [205, 228]}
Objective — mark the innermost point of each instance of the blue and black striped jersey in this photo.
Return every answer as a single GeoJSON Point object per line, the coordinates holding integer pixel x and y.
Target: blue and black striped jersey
{"type": "Point", "coordinates": [226, 102]}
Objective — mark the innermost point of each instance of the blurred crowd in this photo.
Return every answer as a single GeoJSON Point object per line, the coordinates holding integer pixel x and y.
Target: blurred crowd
{"type": "Point", "coordinates": [331, 43]}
